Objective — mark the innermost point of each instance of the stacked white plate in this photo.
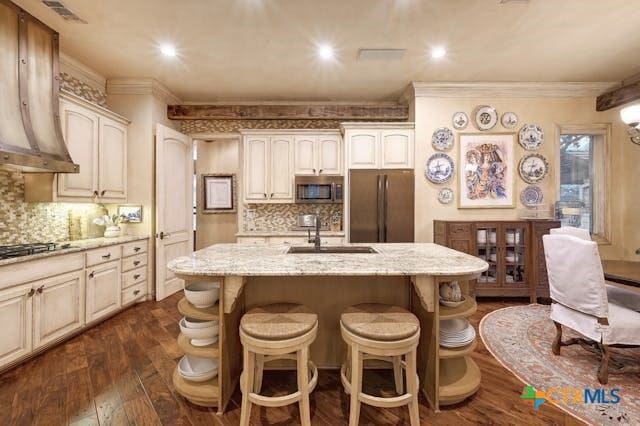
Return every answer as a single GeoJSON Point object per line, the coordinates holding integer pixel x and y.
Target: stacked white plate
{"type": "Point", "coordinates": [197, 369]}
{"type": "Point", "coordinates": [455, 333]}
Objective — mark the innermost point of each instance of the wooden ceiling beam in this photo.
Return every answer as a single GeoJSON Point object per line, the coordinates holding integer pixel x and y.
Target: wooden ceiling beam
{"type": "Point", "coordinates": [620, 96]}
{"type": "Point", "coordinates": [289, 112]}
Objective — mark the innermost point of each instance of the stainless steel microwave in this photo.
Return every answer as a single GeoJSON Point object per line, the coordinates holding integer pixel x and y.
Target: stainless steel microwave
{"type": "Point", "coordinates": [319, 189]}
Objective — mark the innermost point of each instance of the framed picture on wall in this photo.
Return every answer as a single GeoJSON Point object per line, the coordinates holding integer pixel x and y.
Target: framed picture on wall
{"type": "Point", "coordinates": [218, 193]}
{"type": "Point", "coordinates": [131, 213]}
{"type": "Point", "coordinates": [486, 175]}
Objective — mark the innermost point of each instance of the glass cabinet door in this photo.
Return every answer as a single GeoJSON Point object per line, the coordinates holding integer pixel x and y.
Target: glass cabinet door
{"type": "Point", "coordinates": [514, 255]}
{"type": "Point", "coordinates": [487, 249]}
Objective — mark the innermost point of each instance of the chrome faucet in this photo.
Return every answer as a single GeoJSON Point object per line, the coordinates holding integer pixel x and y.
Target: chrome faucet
{"type": "Point", "coordinates": [316, 240]}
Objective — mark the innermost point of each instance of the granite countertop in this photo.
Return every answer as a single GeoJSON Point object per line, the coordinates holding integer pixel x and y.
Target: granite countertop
{"type": "Point", "coordinates": [272, 260]}
{"type": "Point", "coordinates": [301, 233]}
{"type": "Point", "coordinates": [76, 246]}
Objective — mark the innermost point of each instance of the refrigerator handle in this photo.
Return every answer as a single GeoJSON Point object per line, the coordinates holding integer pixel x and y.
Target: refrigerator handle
{"type": "Point", "coordinates": [380, 215]}
{"type": "Point", "coordinates": [386, 209]}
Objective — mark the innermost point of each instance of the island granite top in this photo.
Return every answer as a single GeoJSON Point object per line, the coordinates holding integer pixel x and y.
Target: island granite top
{"type": "Point", "coordinates": [273, 260]}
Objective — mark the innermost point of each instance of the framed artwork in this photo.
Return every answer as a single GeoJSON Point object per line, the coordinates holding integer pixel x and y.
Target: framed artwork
{"type": "Point", "coordinates": [486, 174]}
{"type": "Point", "coordinates": [132, 213]}
{"type": "Point", "coordinates": [218, 193]}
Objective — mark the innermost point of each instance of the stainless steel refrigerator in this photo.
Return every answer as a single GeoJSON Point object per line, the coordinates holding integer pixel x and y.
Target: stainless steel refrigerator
{"type": "Point", "coordinates": [381, 206]}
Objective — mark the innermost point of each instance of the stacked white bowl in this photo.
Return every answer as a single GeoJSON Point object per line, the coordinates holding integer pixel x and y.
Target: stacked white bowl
{"type": "Point", "coordinates": [202, 294]}
{"type": "Point", "coordinates": [455, 333]}
{"type": "Point", "coordinates": [200, 332]}
{"type": "Point", "coordinates": [197, 369]}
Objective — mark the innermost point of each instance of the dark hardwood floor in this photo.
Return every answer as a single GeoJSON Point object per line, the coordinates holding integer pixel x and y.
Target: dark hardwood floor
{"type": "Point", "coordinates": [119, 373]}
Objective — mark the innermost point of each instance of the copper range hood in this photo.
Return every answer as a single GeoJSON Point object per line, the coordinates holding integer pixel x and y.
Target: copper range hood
{"type": "Point", "coordinates": [30, 133]}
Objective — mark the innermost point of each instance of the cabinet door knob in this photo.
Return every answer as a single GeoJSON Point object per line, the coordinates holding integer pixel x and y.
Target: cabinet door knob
{"type": "Point", "coordinates": [135, 293]}
{"type": "Point", "coordinates": [265, 194]}
{"type": "Point", "coordinates": [271, 196]}
{"type": "Point", "coordinates": [95, 193]}
{"type": "Point", "coordinates": [136, 276]}
{"type": "Point", "coordinates": [39, 290]}
{"type": "Point", "coordinates": [136, 262]}
{"type": "Point", "coordinates": [31, 292]}
{"type": "Point", "coordinates": [106, 256]}
{"type": "Point", "coordinates": [103, 192]}
{"type": "Point", "coordinates": [314, 171]}
{"type": "Point", "coordinates": [136, 249]}
{"type": "Point", "coordinates": [92, 274]}
{"type": "Point", "coordinates": [320, 171]}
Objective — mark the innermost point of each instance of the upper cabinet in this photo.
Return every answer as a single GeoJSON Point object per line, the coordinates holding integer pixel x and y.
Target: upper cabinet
{"type": "Point", "coordinates": [379, 145]}
{"type": "Point", "coordinates": [318, 154]}
{"type": "Point", "coordinates": [97, 141]}
{"type": "Point", "coordinates": [268, 168]}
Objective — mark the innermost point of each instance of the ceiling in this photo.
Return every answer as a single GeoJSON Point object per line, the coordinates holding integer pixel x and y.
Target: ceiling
{"type": "Point", "coordinates": [265, 50]}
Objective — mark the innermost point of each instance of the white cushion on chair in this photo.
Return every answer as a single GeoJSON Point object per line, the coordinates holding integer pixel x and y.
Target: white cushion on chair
{"type": "Point", "coordinates": [584, 324]}
{"type": "Point", "coordinates": [623, 297]}
{"type": "Point", "coordinates": [624, 327]}
{"type": "Point", "coordinates": [573, 231]}
{"type": "Point", "coordinates": [576, 279]}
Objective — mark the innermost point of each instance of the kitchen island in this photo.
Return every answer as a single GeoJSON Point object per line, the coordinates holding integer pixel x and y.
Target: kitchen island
{"type": "Point", "coordinates": [407, 275]}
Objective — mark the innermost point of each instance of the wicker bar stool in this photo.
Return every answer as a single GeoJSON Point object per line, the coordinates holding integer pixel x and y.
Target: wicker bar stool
{"type": "Point", "coordinates": [278, 331]}
{"type": "Point", "coordinates": [382, 332]}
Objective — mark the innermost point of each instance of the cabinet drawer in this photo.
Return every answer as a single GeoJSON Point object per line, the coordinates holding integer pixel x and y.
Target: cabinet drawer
{"type": "Point", "coordinates": [460, 229]}
{"type": "Point", "coordinates": [331, 240]}
{"type": "Point", "coordinates": [132, 262]}
{"type": "Point", "coordinates": [135, 292]}
{"type": "Point", "coordinates": [135, 276]}
{"type": "Point", "coordinates": [135, 247]}
{"type": "Point", "coordinates": [287, 240]}
{"type": "Point", "coordinates": [251, 240]}
{"type": "Point", "coordinates": [101, 255]}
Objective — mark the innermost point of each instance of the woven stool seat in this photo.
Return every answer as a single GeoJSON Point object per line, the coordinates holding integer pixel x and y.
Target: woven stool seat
{"type": "Point", "coordinates": [278, 321]}
{"type": "Point", "coordinates": [380, 322]}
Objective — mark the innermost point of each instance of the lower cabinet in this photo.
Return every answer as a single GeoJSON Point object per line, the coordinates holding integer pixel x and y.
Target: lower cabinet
{"type": "Point", "coordinates": [289, 240]}
{"type": "Point", "coordinates": [16, 315]}
{"type": "Point", "coordinates": [58, 307]}
{"type": "Point", "coordinates": [104, 283]}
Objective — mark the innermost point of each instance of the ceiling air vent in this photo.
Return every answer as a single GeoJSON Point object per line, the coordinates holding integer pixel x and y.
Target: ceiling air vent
{"type": "Point", "coordinates": [62, 10]}
{"type": "Point", "coordinates": [381, 54]}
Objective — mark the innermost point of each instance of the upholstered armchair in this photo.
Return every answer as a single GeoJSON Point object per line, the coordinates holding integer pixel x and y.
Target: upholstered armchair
{"type": "Point", "coordinates": [580, 301]}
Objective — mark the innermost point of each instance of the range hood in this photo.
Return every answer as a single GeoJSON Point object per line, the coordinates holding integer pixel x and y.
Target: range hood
{"type": "Point", "coordinates": [30, 133]}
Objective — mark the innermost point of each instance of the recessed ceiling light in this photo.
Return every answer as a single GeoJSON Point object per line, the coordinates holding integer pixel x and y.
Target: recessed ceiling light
{"type": "Point", "coordinates": [325, 52]}
{"type": "Point", "coordinates": [438, 52]}
{"type": "Point", "coordinates": [168, 50]}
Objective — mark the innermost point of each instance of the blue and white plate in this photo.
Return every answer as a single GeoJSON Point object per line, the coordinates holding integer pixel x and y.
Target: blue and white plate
{"type": "Point", "coordinates": [442, 139]}
{"type": "Point", "coordinates": [531, 196]}
{"type": "Point", "coordinates": [439, 168]}
{"type": "Point", "coordinates": [531, 137]}
{"type": "Point", "coordinates": [445, 195]}
{"type": "Point", "coordinates": [460, 120]}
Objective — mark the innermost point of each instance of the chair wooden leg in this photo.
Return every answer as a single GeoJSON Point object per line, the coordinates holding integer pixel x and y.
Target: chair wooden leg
{"type": "Point", "coordinates": [412, 387]}
{"type": "Point", "coordinates": [557, 341]}
{"type": "Point", "coordinates": [356, 385]}
{"type": "Point", "coordinates": [248, 375]}
{"type": "Point", "coordinates": [303, 385]}
{"type": "Point", "coordinates": [603, 371]}
{"type": "Point", "coordinates": [257, 384]}
{"type": "Point", "coordinates": [397, 374]}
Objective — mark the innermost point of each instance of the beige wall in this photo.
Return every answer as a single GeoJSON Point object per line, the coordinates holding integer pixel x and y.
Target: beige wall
{"type": "Point", "coordinates": [433, 112]}
{"type": "Point", "coordinates": [218, 156]}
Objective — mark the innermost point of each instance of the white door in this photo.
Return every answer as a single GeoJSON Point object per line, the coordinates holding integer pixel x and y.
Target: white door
{"type": "Point", "coordinates": [58, 307]}
{"type": "Point", "coordinates": [15, 317]}
{"type": "Point", "coordinates": [255, 168]}
{"type": "Point", "coordinates": [363, 149]}
{"type": "Point", "coordinates": [80, 131]}
{"type": "Point", "coordinates": [104, 285]}
{"type": "Point", "coordinates": [112, 179]}
{"type": "Point", "coordinates": [305, 155]}
{"type": "Point", "coordinates": [174, 205]}
{"type": "Point", "coordinates": [397, 149]}
{"type": "Point", "coordinates": [329, 153]}
{"type": "Point", "coordinates": [281, 166]}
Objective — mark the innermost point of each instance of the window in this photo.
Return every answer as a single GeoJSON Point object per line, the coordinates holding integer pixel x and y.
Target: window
{"type": "Point", "coordinates": [582, 178]}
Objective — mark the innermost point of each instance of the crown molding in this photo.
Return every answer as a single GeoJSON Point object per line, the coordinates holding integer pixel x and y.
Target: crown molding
{"type": "Point", "coordinates": [141, 86]}
{"type": "Point", "coordinates": [506, 89]}
{"type": "Point", "coordinates": [82, 72]}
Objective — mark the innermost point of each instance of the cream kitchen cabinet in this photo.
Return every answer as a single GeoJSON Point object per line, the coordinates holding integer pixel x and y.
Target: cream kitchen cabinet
{"type": "Point", "coordinates": [318, 155]}
{"type": "Point", "coordinates": [379, 145]}
{"type": "Point", "coordinates": [288, 240]}
{"type": "Point", "coordinates": [268, 168]}
{"type": "Point", "coordinates": [16, 316]}
{"type": "Point", "coordinates": [97, 141]}
{"type": "Point", "coordinates": [104, 287]}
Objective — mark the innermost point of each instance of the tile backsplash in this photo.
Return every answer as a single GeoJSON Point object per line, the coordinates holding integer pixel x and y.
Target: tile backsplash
{"type": "Point", "coordinates": [22, 222]}
{"type": "Point", "coordinates": [282, 217]}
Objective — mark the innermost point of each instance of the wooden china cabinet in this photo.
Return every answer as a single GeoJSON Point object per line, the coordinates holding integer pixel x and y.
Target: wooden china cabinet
{"type": "Point", "coordinates": [513, 250]}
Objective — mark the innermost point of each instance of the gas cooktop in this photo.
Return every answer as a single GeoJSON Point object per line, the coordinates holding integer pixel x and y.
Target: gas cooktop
{"type": "Point", "coordinates": [18, 250]}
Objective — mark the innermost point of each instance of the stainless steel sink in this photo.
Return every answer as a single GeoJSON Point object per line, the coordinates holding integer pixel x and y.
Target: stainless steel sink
{"type": "Point", "coordinates": [330, 249]}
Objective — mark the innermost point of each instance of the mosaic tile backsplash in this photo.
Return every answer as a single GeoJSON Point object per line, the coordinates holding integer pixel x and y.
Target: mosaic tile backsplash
{"type": "Point", "coordinates": [22, 222]}
{"type": "Point", "coordinates": [282, 217]}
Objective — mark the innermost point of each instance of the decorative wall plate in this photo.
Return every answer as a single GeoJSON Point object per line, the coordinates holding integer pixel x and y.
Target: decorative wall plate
{"type": "Point", "coordinates": [460, 120]}
{"type": "Point", "coordinates": [531, 136]}
{"type": "Point", "coordinates": [509, 120]}
{"type": "Point", "coordinates": [485, 117]}
{"type": "Point", "coordinates": [442, 139]}
{"type": "Point", "coordinates": [533, 168]}
{"type": "Point", "coordinates": [445, 195]}
{"type": "Point", "coordinates": [439, 168]}
{"type": "Point", "coordinates": [531, 196]}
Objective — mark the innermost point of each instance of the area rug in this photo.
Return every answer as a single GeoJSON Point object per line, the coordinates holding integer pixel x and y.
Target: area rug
{"type": "Point", "coordinates": [520, 337]}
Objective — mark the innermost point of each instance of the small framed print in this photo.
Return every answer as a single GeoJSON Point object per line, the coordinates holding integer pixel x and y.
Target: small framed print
{"type": "Point", "coordinates": [218, 193]}
{"type": "Point", "coordinates": [131, 213]}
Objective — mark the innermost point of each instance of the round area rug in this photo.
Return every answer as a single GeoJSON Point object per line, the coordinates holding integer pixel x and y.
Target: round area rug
{"type": "Point", "coordinates": [520, 338]}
